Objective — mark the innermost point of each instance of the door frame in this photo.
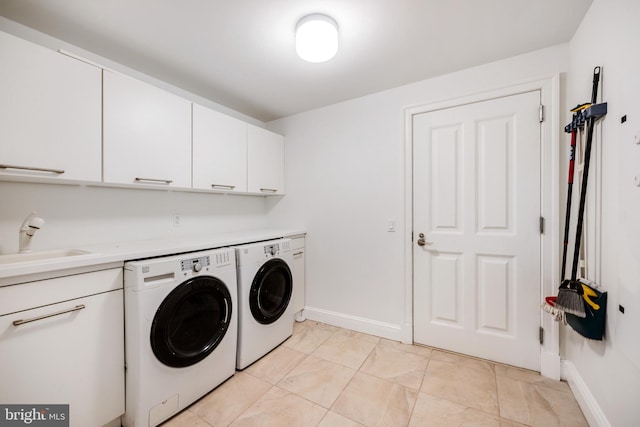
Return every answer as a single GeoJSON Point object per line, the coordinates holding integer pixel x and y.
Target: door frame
{"type": "Point", "coordinates": [549, 87]}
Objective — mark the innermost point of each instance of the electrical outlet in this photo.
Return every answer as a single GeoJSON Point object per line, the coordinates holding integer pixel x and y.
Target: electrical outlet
{"type": "Point", "coordinates": [176, 220]}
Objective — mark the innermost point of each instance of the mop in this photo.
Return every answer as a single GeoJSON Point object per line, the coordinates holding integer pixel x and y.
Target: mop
{"type": "Point", "coordinates": [549, 304]}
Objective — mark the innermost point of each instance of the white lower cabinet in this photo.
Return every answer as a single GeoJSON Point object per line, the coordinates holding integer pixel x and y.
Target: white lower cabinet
{"type": "Point", "coordinates": [68, 349]}
{"type": "Point", "coordinates": [265, 161]}
{"type": "Point", "coordinates": [50, 114]}
{"type": "Point", "coordinates": [147, 134]}
{"type": "Point", "coordinates": [297, 245]}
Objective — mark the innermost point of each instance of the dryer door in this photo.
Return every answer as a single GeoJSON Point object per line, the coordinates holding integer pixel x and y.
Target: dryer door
{"type": "Point", "coordinates": [191, 321]}
{"type": "Point", "coordinates": [271, 291]}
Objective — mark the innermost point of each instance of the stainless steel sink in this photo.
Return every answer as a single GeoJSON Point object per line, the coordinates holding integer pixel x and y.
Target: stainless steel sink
{"type": "Point", "coordinates": [52, 255]}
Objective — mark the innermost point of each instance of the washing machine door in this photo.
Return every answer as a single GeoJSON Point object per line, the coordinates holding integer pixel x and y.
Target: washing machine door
{"type": "Point", "coordinates": [191, 321]}
{"type": "Point", "coordinates": [270, 291]}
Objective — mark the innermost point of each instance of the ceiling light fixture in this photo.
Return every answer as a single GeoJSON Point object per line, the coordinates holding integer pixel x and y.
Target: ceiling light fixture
{"type": "Point", "coordinates": [317, 38]}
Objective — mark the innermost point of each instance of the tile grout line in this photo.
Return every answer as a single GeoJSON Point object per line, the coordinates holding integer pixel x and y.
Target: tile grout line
{"type": "Point", "coordinates": [495, 379]}
{"type": "Point", "coordinates": [330, 408]}
{"type": "Point", "coordinates": [306, 356]}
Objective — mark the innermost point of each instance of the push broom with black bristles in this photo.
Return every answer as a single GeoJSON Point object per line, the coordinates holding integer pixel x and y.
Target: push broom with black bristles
{"type": "Point", "coordinates": [570, 298]}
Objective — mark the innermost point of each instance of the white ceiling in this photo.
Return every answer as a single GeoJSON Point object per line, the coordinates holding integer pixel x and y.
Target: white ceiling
{"type": "Point", "coordinates": [241, 53]}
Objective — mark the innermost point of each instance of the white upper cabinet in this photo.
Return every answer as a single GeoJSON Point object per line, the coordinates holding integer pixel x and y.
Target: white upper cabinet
{"type": "Point", "coordinates": [62, 119]}
{"type": "Point", "coordinates": [265, 161]}
{"type": "Point", "coordinates": [147, 134]}
{"type": "Point", "coordinates": [219, 151]}
{"type": "Point", "coordinates": [49, 114]}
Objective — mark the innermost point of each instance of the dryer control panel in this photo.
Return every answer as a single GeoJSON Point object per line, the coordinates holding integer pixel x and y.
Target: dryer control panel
{"type": "Point", "coordinates": [195, 264]}
{"type": "Point", "coordinates": [278, 248]}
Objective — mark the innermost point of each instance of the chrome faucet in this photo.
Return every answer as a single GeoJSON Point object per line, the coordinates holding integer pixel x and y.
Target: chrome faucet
{"type": "Point", "coordinates": [29, 227]}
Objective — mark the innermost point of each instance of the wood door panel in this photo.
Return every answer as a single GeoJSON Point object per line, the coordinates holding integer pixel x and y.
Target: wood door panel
{"type": "Point", "coordinates": [446, 301]}
{"type": "Point", "coordinates": [446, 179]}
{"type": "Point", "coordinates": [494, 157]}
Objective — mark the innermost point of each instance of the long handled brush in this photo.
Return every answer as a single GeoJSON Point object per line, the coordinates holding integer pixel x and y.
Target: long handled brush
{"type": "Point", "coordinates": [570, 293]}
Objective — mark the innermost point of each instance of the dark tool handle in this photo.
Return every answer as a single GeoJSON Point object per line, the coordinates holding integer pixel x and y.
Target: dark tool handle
{"type": "Point", "coordinates": [594, 88]}
{"type": "Point", "coordinates": [585, 175]}
{"type": "Point", "coordinates": [567, 219]}
{"type": "Point", "coordinates": [572, 155]}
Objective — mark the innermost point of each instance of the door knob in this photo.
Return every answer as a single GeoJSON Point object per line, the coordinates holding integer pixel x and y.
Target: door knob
{"type": "Point", "coordinates": [422, 242]}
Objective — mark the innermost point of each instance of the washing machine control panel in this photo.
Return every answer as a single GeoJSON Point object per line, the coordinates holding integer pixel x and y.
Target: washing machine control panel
{"type": "Point", "coordinates": [272, 249]}
{"type": "Point", "coordinates": [195, 264]}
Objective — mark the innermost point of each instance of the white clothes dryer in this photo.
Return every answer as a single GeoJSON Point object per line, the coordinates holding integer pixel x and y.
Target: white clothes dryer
{"type": "Point", "coordinates": [180, 331]}
{"type": "Point", "coordinates": [265, 285]}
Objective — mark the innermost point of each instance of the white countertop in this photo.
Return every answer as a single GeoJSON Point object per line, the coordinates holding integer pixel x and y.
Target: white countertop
{"type": "Point", "coordinates": [115, 254]}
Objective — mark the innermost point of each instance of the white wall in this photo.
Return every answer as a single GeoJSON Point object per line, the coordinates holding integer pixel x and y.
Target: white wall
{"type": "Point", "coordinates": [609, 36]}
{"type": "Point", "coordinates": [345, 181]}
{"type": "Point", "coordinates": [78, 215]}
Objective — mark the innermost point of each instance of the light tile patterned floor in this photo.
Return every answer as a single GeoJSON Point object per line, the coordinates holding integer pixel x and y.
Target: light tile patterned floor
{"type": "Point", "coordinates": [331, 377]}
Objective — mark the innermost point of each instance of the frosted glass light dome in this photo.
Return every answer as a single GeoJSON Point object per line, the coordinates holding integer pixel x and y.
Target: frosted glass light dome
{"type": "Point", "coordinates": [316, 38]}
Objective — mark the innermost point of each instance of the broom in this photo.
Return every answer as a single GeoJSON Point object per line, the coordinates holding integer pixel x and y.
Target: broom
{"type": "Point", "coordinates": [570, 292]}
{"type": "Point", "coordinates": [569, 298]}
{"type": "Point", "coordinates": [550, 302]}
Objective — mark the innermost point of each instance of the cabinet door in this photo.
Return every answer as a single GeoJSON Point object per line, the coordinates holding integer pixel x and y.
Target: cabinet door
{"type": "Point", "coordinates": [219, 151]}
{"type": "Point", "coordinates": [265, 161]}
{"type": "Point", "coordinates": [74, 358]}
{"type": "Point", "coordinates": [297, 245]}
{"type": "Point", "coordinates": [147, 134]}
{"type": "Point", "coordinates": [50, 113]}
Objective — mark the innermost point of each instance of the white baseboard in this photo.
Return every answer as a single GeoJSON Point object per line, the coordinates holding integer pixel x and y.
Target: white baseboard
{"type": "Point", "coordinates": [589, 405]}
{"type": "Point", "coordinates": [114, 423]}
{"type": "Point", "coordinates": [550, 365]}
{"type": "Point", "coordinates": [406, 333]}
{"type": "Point", "coordinates": [359, 324]}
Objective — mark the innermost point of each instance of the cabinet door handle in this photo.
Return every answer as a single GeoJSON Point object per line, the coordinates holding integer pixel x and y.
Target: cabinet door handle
{"type": "Point", "coordinates": [269, 190]}
{"type": "Point", "coordinates": [46, 316]}
{"type": "Point", "coordinates": [31, 168]}
{"type": "Point", "coordinates": [229, 187]}
{"type": "Point", "coordinates": [154, 181]}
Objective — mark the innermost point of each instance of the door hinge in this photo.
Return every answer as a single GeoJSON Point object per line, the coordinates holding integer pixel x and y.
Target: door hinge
{"type": "Point", "coordinates": [541, 112]}
{"type": "Point", "coordinates": [541, 225]}
{"type": "Point", "coordinates": [541, 335]}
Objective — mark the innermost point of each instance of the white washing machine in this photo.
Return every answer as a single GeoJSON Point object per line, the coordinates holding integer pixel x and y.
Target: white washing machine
{"type": "Point", "coordinates": [180, 331]}
{"type": "Point", "coordinates": [265, 285]}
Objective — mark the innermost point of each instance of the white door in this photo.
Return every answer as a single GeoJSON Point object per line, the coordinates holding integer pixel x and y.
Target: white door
{"type": "Point", "coordinates": [476, 173]}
